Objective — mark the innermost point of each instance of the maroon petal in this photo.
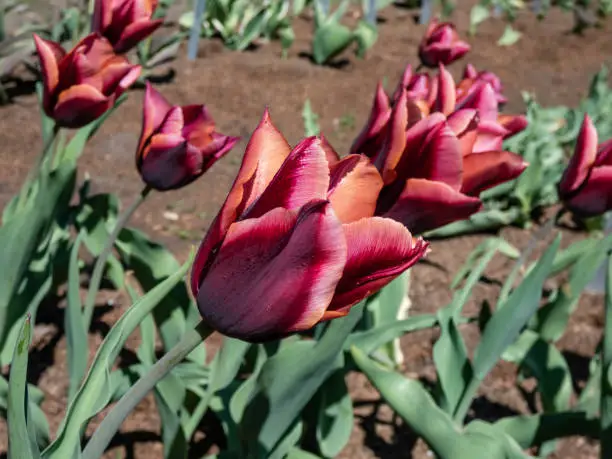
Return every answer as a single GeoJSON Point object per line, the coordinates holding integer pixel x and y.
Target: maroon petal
{"type": "Point", "coordinates": [80, 105]}
{"type": "Point", "coordinates": [379, 250]}
{"type": "Point", "coordinates": [482, 171]}
{"type": "Point", "coordinates": [595, 197]}
{"type": "Point", "coordinates": [513, 123]}
{"type": "Point", "coordinates": [369, 139]}
{"type": "Point", "coordinates": [330, 153]}
{"type": "Point", "coordinates": [442, 160]}
{"type": "Point", "coordinates": [155, 108]}
{"type": "Point", "coordinates": [483, 99]}
{"type": "Point", "coordinates": [464, 123]}
{"type": "Point", "coordinates": [395, 139]}
{"type": "Point", "coordinates": [303, 177]}
{"type": "Point", "coordinates": [134, 33]}
{"type": "Point", "coordinates": [447, 96]}
{"type": "Point", "coordinates": [490, 137]}
{"type": "Point", "coordinates": [581, 162]}
{"type": "Point", "coordinates": [425, 205]}
{"type": "Point", "coordinates": [275, 274]}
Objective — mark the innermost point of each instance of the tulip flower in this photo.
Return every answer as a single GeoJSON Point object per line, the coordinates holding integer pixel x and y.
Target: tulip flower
{"type": "Point", "coordinates": [441, 45]}
{"type": "Point", "coordinates": [586, 185]}
{"type": "Point", "coordinates": [124, 22]}
{"type": "Point", "coordinates": [432, 170]}
{"type": "Point", "coordinates": [82, 84]}
{"type": "Point", "coordinates": [177, 144]}
{"type": "Point", "coordinates": [471, 77]}
{"type": "Point", "coordinates": [295, 242]}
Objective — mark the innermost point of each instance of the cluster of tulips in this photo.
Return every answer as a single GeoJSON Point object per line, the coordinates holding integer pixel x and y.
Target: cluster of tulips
{"type": "Point", "coordinates": [306, 233]}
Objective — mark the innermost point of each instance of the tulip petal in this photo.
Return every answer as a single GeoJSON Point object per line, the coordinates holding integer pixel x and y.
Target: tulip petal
{"type": "Point", "coordinates": [331, 154]}
{"type": "Point", "coordinates": [425, 205]}
{"type": "Point", "coordinates": [483, 99]}
{"type": "Point", "coordinates": [595, 197]}
{"type": "Point", "coordinates": [354, 187]}
{"type": "Point", "coordinates": [513, 123]}
{"type": "Point", "coordinates": [155, 108]}
{"type": "Point", "coordinates": [395, 139]}
{"type": "Point", "coordinates": [464, 123]}
{"type": "Point", "coordinates": [264, 155]}
{"type": "Point", "coordinates": [102, 15]}
{"type": "Point", "coordinates": [442, 160]}
{"type": "Point", "coordinates": [369, 140]}
{"type": "Point", "coordinates": [49, 53]}
{"type": "Point", "coordinates": [490, 137]}
{"type": "Point", "coordinates": [134, 33]}
{"type": "Point", "coordinates": [469, 72]}
{"type": "Point", "coordinates": [303, 177]}
{"type": "Point", "coordinates": [447, 97]}
{"type": "Point", "coordinates": [80, 105]}
{"type": "Point", "coordinates": [485, 170]}
{"type": "Point", "coordinates": [583, 159]}
{"type": "Point", "coordinates": [275, 274]}
{"type": "Point", "coordinates": [169, 163]}
{"type": "Point", "coordinates": [379, 250]}
{"type": "Point", "coordinates": [219, 145]}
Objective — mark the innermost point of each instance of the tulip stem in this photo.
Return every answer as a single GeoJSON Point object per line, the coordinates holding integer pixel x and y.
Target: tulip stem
{"type": "Point", "coordinates": [98, 270]}
{"type": "Point", "coordinates": [112, 422]}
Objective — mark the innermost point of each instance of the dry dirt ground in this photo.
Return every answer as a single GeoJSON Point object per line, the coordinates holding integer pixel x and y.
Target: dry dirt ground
{"type": "Point", "coordinates": [548, 61]}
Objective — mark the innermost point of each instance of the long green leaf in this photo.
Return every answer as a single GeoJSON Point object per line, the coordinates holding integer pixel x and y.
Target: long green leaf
{"type": "Point", "coordinates": [76, 334]}
{"type": "Point", "coordinates": [22, 439]}
{"type": "Point", "coordinates": [95, 392]}
{"type": "Point", "coordinates": [606, 373]}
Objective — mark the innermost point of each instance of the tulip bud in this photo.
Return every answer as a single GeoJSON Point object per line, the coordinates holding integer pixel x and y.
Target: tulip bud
{"type": "Point", "coordinates": [124, 23]}
{"type": "Point", "coordinates": [586, 185]}
{"type": "Point", "coordinates": [295, 243]}
{"type": "Point", "coordinates": [177, 144]}
{"type": "Point", "coordinates": [441, 45]}
{"type": "Point", "coordinates": [81, 85]}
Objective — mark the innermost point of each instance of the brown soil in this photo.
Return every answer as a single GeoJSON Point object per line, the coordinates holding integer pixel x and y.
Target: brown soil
{"type": "Point", "coordinates": [548, 61]}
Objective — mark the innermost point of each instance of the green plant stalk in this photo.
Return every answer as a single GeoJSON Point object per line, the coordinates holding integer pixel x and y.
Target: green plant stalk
{"type": "Point", "coordinates": [112, 422]}
{"type": "Point", "coordinates": [47, 147]}
{"type": "Point", "coordinates": [606, 373]}
{"type": "Point", "coordinates": [98, 270]}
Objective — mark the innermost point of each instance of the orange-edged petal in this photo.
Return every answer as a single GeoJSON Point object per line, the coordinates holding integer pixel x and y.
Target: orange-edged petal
{"type": "Point", "coordinates": [425, 205]}
{"type": "Point", "coordinates": [513, 123]}
{"type": "Point", "coordinates": [155, 108]}
{"type": "Point", "coordinates": [134, 33]}
{"type": "Point", "coordinates": [128, 80]}
{"type": "Point", "coordinates": [582, 161]}
{"type": "Point", "coordinates": [370, 139]}
{"type": "Point", "coordinates": [263, 157]}
{"type": "Point", "coordinates": [330, 153]}
{"type": "Point", "coordinates": [80, 105]}
{"type": "Point", "coordinates": [379, 250]}
{"type": "Point", "coordinates": [275, 274]}
{"type": "Point", "coordinates": [464, 123]}
{"type": "Point", "coordinates": [49, 53]}
{"type": "Point", "coordinates": [354, 187]}
{"type": "Point", "coordinates": [303, 177]}
{"type": "Point", "coordinates": [485, 170]}
{"type": "Point", "coordinates": [395, 139]}
{"type": "Point", "coordinates": [447, 96]}
{"type": "Point", "coordinates": [595, 196]}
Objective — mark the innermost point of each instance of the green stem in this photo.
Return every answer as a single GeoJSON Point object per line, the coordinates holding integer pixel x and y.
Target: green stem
{"type": "Point", "coordinates": [465, 401]}
{"type": "Point", "coordinates": [606, 366]}
{"type": "Point", "coordinates": [98, 270]}
{"type": "Point", "coordinates": [112, 422]}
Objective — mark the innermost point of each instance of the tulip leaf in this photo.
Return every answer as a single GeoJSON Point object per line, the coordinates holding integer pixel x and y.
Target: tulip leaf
{"type": "Point", "coordinates": [96, 217]}
{"type": "Point", "coordinates": [544, 361]}
{"type": "Point", "coordinates": [606, 370]}
{"type": "Point", "coordinates": [311, 120]}
{"type": "Point", "coordinates": [95, 391]}
{"type": "Point", "coordinates": [335, 415]}
{"type": "Point", "coordinates": [552, 319]}
{"type": "Point", "coordinates": [479, 13]}
{"type": "Point", "coordinates": [451, 361]}
{"type": "Point", "coordinates": [74, 326]}
{"type": "Point", "coordinates": [289, 379]}
{"type": "Point", "coordinates": [365, 35]}
{"type": "Point", "coordinates": [509, 318]}
{"type": "Point", "coordinates": [151, 264]}
{"type": "Point", "coordinates": [330, 40]}
{"type": "Point", "coordinates": [297, 453]}
{"type": "Point", "coordinates": [486, 220]}
{"type": "Point", "coordinates": [414, 404]}
{"type": "Point", "coordinates": [21, 436]}
{"type": "Point", "coordinates": [509, 37]}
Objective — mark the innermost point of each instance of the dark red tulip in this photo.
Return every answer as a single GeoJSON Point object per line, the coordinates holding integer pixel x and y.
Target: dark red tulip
{"type": "Point", "coordinates": [295, 242]}
{"type": "Point", "coordinates": [124, 22]}
{"type": "Point", "coordinates": [433, 170]}
{"type": "Point", "coordinates": [441, 45]}
{"type": "Point", "coordinates": [586, 185]}
{"type": "Point", "coordinates": [177, 144]}
{"type": "Point", "coordinates": [79, 86]}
